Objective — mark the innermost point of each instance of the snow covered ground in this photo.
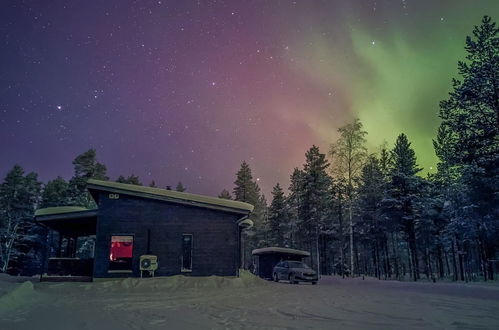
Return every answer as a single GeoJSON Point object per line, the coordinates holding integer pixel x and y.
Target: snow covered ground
{"type": "Point", "coordinates": [233, 303]}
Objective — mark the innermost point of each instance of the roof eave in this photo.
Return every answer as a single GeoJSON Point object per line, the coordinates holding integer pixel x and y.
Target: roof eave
{"type": "Point", "coordinates": [96, 187]}
{"type": "Point", "coordinates": [66, 215]}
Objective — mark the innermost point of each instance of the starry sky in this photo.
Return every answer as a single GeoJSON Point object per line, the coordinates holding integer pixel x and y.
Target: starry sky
{"type": "Point", "coordinates": [187, 90]}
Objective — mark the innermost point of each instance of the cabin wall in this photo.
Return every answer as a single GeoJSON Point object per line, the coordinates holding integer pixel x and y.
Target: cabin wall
{"type": "Point", "coordinates": [215, 235]}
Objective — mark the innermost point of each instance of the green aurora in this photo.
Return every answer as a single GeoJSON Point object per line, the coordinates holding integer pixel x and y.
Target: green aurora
{"type": "Point", "coordinates": [393, 74]}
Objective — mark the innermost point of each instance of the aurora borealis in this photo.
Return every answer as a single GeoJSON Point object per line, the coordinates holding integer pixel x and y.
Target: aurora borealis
{"type": "Point", "coordinates": [187, 90]}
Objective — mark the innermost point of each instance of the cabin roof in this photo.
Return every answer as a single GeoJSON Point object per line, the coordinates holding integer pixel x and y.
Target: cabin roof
{"type": "Point", "coordinates": [280, 250]}
{"type": "Point", "coordinates": [170, 196]}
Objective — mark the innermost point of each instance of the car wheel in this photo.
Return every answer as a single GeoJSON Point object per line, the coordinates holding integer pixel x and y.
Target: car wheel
{"type": "Point", "coordinates": [275, 278]}
{"type": "Point", "coordinates": [314, 283]}
{"type": "Point", "coordinates": [292, 279]}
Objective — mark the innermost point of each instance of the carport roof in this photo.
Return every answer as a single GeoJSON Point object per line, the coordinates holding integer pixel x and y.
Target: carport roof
{"type": "Point", "coordinates": [280, 250]}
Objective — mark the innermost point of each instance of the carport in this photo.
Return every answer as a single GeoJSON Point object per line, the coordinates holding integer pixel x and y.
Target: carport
{"type": "Point", "coordinates": [265, 259]}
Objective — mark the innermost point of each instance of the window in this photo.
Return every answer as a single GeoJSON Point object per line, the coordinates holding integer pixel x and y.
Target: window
{"type": "Point", "coordinates": [120, 256]}
{"type": "Point", "coordinates": [186, 252]}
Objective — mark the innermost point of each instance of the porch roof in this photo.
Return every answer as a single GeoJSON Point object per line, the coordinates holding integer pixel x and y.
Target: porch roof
{"type": "Point", "coordinates": [68, 220]}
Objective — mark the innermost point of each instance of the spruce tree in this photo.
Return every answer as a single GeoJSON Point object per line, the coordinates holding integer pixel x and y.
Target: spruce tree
{"type": "Point", "coordinates": [338, 211]}
{"type": "Point", "coordinates": [401, 204]}
{"type": "Point", "coordinates": [278, 216]}
{"type": "Point", "coordinates": [293, 205]}
{"type": "Point", "coordinates": [180, 187]}
{"type": "Point", "coordinates": [370, 194]}
{"type": "Point", "coordinates": [470, 123]}
{"type": "Point", "coordinates": [225, 194]}
{"type": "Point", "coordinates": [247, 190]}
{"type": "Point", "coordinates": [131, 179]}
{"type": "Point", "coordinates": [314, 200]}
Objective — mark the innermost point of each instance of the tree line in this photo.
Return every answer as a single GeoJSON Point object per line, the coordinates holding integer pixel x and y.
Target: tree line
{"type": "Point", "coordinates": [358, 213]}
{"type": "Point", "coordinates": [361, 213]}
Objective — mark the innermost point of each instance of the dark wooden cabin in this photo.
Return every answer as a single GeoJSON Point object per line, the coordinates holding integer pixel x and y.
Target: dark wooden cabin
{"type": "Point", "coordinates": [190, 234]}
{"type": "Point", "coordinates": [265, 259]}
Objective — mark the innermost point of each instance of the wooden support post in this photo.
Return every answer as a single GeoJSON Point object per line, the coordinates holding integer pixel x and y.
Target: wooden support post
{"type": "Point", "coordinates": [74, 241]}
{"type": "Point", "coordinates": [59, 246]}
{"type": "Point", "coordinates": [69, 247]}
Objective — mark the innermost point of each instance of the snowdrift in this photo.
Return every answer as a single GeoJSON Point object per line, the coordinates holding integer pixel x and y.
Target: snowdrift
{"type": "Point", "coordinates": [178, 282]}
{"type": "Point", "coordinates": [17, 297]}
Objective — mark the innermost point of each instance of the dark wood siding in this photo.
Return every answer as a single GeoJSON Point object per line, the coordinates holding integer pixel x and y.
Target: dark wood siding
{"type": "Point", "coordinates": [215, 235]}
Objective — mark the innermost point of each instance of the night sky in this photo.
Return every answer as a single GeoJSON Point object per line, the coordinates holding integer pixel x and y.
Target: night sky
{"type": "Point", "coordinates": [187, 90]}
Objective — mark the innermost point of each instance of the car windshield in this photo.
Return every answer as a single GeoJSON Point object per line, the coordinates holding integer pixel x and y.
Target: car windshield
{"type": "Point", "coordinates": [297, 264]}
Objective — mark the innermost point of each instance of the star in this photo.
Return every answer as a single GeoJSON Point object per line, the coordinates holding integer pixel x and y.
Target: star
{"type": "Point", "coordinates": [59, 107]}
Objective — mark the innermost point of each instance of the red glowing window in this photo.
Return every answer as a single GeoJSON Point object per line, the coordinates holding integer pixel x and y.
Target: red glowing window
{"type": "Point", "coordinates": [121, 252]}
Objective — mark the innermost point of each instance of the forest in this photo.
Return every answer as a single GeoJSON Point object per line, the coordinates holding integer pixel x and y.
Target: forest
{"type": "Point", "coordinates": [359, 212]}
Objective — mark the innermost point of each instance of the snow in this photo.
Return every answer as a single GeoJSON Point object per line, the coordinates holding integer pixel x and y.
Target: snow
{"type": "Point", "coordinates": [180, 302]}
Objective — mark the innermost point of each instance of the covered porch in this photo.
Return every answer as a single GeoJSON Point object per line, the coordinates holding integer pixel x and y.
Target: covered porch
{"type": "Point", "coordinates": [69, 252]}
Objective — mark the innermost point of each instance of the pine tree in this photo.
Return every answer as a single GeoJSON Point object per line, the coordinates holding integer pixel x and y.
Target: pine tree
{"type": "Point", "coordinates": [470, 122]}
{"type": "Point", "coordinates": [55, 193]}
{"type": "Point", "coordinates": [262, 228]}
{"type": "Point", "coordinates": [225, 194]}
{"type": "Point", "coordinates": [348, 155]}
{"type": "Point", "coordinates": [131, 179]}
{"type": "Point", "coordinates": [370, 195]}
{"type": "Point", "coordinates": [293, 205]}
{"type": "Point", "coordinates": [247, 190]}
{"type": "Point", "coordinates": [86, 167]}
{"type": "Point", "coordinates": [471, 114]}
{"type": "Point", "coordinates": [180, 187]}
{"type": "Point", "coordinates": [400, 205]}
{"type": "Point", "coordinates": [338, 210]}
{"type": "Point", "coordinates": [314, 201]}
{"type": "Point", "coordinates": [19, 195]}
{"type": "Point", "coordinates": [277, 217]}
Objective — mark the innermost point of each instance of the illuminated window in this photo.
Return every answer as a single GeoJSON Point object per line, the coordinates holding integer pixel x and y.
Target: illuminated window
{"type": "Point", "coordinates": [120, 254]}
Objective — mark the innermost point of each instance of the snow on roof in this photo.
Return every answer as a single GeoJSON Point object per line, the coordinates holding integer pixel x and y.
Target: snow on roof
{"type": "Point", "coordinates": [60, 210]}
{"type": "Point", "coordinates": [274, 249]}
{"type": "Point", "coordinates": [171, 196]}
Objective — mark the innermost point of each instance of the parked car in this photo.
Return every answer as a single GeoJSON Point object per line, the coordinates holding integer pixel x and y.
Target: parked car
{"type": "Point", "coordinates": [294, 272]}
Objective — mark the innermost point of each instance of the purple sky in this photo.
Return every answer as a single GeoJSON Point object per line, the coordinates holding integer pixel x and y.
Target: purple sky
{"type": "Point", "coordinates": [187, 90]}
